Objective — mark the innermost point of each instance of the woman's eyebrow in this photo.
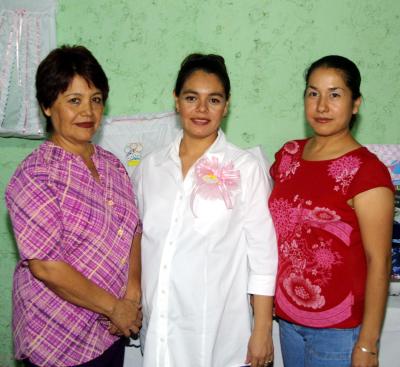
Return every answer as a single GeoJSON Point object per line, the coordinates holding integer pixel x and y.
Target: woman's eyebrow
{"type": "Point", "coordinates": [190, 91]}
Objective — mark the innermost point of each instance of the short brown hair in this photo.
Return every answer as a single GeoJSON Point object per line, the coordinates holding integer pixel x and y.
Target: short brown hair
{"type": "Point", "coordinates": [61, 65]}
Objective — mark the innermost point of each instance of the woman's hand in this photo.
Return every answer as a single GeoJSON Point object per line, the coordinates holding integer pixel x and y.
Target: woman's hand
{"type": "Point", "coordinates": [137, 323]}
{"type": "Point", "coordinates": [133, 292]}
{"type": "Point", "coordinates": [363, 359]}
{"type": "Point", "coordinates": [260, 349]}
{"type": "Point", "coordinates": [125, 317]}
{"type": "Point", "coordinates": [72, 286]}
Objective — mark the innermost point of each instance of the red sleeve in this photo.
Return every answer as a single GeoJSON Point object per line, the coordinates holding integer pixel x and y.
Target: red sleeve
{"type": "Point", "coordinates": [372, 173]}
{"type": "Point", "coordinates": [273, 168]}
{"type": "Point", "coordinates": [292, 148]}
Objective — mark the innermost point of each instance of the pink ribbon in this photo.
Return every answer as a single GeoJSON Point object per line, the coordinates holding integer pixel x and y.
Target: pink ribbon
{"type": "Point", "coordinates": [214, 181]}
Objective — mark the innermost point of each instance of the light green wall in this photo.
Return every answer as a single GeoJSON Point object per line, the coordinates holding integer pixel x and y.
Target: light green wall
{"type": "Point", "coordinates": [267, 45]}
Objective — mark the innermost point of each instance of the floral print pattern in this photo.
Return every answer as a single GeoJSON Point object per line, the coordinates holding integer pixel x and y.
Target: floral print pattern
{"type": "Point", "coordinates": [343, 171]}
{"type": "Point", "coordinates": [308, 264]}
{"type": "Point", "coordinates": [303, 292]}
{"type": "Point", "coordinates": [324, 215]}
{"type": "Point", "coordinates": [290, 160]}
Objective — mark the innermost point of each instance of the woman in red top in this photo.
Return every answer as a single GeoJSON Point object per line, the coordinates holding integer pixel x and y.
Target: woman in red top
{"type": "Point", "coordinates": [332, 206]}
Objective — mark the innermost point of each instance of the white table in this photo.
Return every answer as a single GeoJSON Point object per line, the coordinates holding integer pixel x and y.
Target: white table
{"type": "Point", "coordinates": [389, 351]}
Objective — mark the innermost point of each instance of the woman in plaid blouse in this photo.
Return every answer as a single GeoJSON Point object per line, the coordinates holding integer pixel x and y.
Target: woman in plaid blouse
{"type": "Point", "coordinates": [73, 214]}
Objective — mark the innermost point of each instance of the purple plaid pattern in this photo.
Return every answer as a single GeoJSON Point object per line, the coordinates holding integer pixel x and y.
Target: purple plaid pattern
{"type": "Point", "coordinates": [59, 212]}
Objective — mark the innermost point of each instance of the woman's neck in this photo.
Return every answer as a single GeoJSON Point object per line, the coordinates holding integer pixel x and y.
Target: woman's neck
{"type": "Point", "coordinates": [84, 150]}
{"type": "Point", "coordinates": [329, 147]}
{"type": "Point", "coordinates": [191, 149]}
{"type": "Point", "coordinates": [194, 146]}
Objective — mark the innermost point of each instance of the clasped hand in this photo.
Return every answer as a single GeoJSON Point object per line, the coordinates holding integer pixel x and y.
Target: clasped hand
{"type": "Point", "coordinates": [125, 318]}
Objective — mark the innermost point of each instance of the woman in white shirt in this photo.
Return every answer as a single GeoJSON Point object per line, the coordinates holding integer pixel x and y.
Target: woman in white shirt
{"type": "Point", "coordinates": [208, 241]}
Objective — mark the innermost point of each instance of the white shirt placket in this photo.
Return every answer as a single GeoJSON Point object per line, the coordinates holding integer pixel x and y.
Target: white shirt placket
{"type": "Point", "coordinates": [164, 275]}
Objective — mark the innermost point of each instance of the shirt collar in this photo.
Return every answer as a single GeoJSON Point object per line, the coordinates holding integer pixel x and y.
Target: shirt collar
{"type": "Point", "coordinates": [216, 149]}
{"type": "Point", "coordinates": [56, 153]}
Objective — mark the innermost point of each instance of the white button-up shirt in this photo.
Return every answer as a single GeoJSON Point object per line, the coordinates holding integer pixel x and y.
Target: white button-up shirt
{"type": "Point", "coordinates": [204, 249]}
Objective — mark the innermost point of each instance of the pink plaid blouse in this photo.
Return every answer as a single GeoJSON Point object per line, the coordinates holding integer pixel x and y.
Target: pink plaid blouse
{"type": "Point", "coordinates": [59, 212]}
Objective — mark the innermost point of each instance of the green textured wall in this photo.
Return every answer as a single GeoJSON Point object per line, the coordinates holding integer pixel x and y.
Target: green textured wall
{"type": "Point", "coordinates": [267, 45]}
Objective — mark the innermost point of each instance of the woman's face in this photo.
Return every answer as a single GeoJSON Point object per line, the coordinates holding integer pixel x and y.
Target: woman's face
{"type": "Point", "coordinates": [201, 104]}
{"type": "Point", "coordinates": [328, 102]}
{"type": "Point", "coordinates": [76, 113]}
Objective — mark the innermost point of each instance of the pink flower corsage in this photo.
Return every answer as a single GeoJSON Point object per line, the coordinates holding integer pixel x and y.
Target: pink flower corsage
{"type": "Point", "coordinates": [214, 180]}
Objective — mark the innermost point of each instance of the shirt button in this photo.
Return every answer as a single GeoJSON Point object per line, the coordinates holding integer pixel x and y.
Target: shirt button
{"type": "Point", "coordinates": [171, 243]}
{"type": "Point", "coordinates": [120, 232]}
{"type": "Point", "coordinates": [110, 202]}
{"type": "Point", "coordinates": [162, 340]}
{"type": "Point", "coordinates": [123, 261]}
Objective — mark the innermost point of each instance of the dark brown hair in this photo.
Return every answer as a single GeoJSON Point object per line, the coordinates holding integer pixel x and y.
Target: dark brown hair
{"type": "Point", "coordinates": [56, 71]}
{"type": "Point", "coordinates": [212, 64]}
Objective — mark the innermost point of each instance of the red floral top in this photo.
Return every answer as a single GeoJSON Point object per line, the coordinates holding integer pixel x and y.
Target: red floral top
{"type": "Point", "coordinates": [322, 267]}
